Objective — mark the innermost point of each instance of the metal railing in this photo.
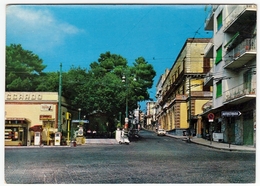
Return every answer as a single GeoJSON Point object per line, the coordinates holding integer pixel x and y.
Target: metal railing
{"type": "Point", "coordinates": [211, 12]}
{"type": "Point", "coordinates": [235, 13]}
{"type": "Point", "coordinates": [248, 45]}
{"type": "Point", "coordinates": [239, 91]}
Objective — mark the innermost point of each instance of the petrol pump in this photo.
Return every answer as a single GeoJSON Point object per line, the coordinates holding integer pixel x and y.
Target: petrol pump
{"type": "Point", "coordinates": [57, 138]}
{"type": "Point", "coordinates": [37, 138]}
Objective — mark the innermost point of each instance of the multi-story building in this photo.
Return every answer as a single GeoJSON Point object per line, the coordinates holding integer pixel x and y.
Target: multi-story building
{"type": "Point", "coordinates": [150, 115]}
{"type": "Point", "coordinates": [159, 110]}
{"type": "Point", "coordinates": [29, 112]}
{"type": "Point", "coordinates": [233, 74]}
{"type": "Point", "coordinates": [183, 93]}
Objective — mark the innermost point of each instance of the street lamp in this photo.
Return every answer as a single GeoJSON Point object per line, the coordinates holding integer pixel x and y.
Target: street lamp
{"type": "Point", "coordinates": [126, 81]}
{"type": "Point", "coordinates": [191, 127]}
{"type": "Point", "coordinates": [79, 114]}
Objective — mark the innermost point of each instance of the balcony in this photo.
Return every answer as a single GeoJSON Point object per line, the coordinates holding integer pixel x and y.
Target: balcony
{"type": "Point", "coordinates": [207, 106]}
{"type": "Point", "coordinates": [241, 54]}
{"type": "Point", "coordinates": [242, 15]}
{"type": "Point", "coordinates": [239, 94]}
{"type": "Point", "coordinates": [208, 80]}
{"type": "Point", "coordinates": [201, 94]}
{"type": "Point", "coordinates": [209, 22]}
{"type": "Point", "coordinates": [209, 49]}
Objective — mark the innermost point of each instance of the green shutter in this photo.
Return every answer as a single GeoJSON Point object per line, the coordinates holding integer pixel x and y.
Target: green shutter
{"type": "Point", "coordinates": [219, 89]}
{"type": "Point", "coordinates": [219, 21]}
{"type": "Point", "coordinates": [219, 55]}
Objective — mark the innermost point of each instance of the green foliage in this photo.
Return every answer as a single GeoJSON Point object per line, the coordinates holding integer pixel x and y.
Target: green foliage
{"type": "Point", "coordinates": [23, 68]}
{"type": "Point", "coordinates": [97, 90]}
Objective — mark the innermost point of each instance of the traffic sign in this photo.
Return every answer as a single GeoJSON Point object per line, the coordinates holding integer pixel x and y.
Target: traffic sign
{"type": "Point", "coordinates": [211, 117]}
{"type": "Point", "coordinates": [230, 113]}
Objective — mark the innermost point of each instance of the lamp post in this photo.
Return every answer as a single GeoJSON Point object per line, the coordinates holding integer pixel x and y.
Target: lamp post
{"type": "Point", "coordinates": [191, 127]}
{"type": "Point", "coordinates": [189, 108]}
{"type": "Point", "coordinates": [125, 80]}
{"type": "Point", "coordinates": [59, 97]}
{"type": "Point", "coordinates": [79, 114]}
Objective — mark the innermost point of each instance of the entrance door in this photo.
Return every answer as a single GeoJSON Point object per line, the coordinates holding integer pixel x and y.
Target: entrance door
{"type": "Point", "coordinates": [248, 128]}
{"type": "Point", "coordinates": [23, 135]}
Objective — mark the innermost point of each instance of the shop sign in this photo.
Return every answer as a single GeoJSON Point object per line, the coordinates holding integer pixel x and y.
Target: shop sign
{"type": "Point", "coordinates": [23, 96]}
{"type": "Point", "coordinates": [47, 107]}
{"type": "Point", "coordinates": [44, 117]}
{"type": "Point", "coordinates": [15, 119]}
{"type": "Point", "coordinates": [230, 113]}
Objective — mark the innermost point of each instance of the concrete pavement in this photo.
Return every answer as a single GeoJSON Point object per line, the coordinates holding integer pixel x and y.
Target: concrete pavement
{"type": "Point", "coordinates": [101, 141]}
{"type": "Point", "coordinates": [216, 145]}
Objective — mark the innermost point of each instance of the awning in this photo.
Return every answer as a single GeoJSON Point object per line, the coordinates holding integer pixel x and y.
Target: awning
{"type": "Point", "coordinates": [17, 119]}
{"type": "Point", "coordinates": [231, 41]}
{"type": "Point", "coordinates": [36, 128]}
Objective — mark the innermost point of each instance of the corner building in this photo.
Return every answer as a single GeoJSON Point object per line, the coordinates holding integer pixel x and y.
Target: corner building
{"type": "Point", "coordinates": [182, 93]}
{"type": "Point", "coordinates": [29, 112]}
{"type": "Point", "coordinates": [233, 74]}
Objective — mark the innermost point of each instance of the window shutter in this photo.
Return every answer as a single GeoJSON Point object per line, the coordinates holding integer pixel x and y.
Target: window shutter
{"type": "Point", "coordinates": [219, 21]}
{"type": "Point", "coordinates": [219, 55]}
{"type": "Point", "coordinates": [219, 89]}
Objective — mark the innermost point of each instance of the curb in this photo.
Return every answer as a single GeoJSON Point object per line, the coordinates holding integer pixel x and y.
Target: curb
{"type": "Point", "coordinates": [183, 138]}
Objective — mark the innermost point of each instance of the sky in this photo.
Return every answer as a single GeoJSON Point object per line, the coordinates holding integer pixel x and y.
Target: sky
{"type": "Point", "coordinates": [76, 35]}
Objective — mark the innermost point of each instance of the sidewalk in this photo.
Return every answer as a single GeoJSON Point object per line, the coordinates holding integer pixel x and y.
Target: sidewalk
{"type": "Point", "coordinates": [216, 145]}
{"type": "Point", "coordinates": [101, 141]}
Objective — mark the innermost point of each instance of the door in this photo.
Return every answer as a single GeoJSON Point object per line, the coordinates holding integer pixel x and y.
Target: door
{"type": "Point", "coordinates": [248, 128]}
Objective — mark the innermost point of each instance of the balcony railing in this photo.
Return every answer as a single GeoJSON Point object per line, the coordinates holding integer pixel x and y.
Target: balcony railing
{"type": "Point", "coordinates": [208, 50]}
{"type": "Point", "coordinates": [208, 80]}
{"type": "Point", "coordinates": [240, 92]}
{"type": "Point", "coordinates": [247, 46]}
{"type": "Point", "coordinates": [209, 20]}
{"type": "Point", "coordinates": [238, 11]}
{"type": "Point", "coordinates": [207, 106]}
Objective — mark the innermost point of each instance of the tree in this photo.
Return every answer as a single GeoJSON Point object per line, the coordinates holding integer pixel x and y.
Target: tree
{"type": "Point", "coordinates": [22, 69]}
{"type": "Point", "coordinates": [48, 82]}
{"type": "Point", "coordinates": [107, 92]}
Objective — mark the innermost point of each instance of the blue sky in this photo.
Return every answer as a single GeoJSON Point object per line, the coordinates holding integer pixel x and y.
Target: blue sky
{"type": "Point", "coordinates": [78, 34]}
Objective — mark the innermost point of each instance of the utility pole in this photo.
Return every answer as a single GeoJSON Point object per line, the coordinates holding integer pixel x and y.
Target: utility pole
{"type": "Point", "coordinates": [59, 109]}
{"type": "Point", "coordinates": [189, 108]}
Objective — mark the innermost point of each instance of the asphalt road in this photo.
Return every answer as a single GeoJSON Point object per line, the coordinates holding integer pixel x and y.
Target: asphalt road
{"type": "Point", "coordinates": [151, 159]}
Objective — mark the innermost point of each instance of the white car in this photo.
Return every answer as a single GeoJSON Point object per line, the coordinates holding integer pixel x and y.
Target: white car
{"type": "Point", "coordinates": [161, 132]}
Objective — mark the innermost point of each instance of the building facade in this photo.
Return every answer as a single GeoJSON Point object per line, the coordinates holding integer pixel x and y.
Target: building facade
{"type": "Point", "coordinates": [182, 93]}
{"type": "Point", "coordinates": [29, 112]}
{"type": "Point", "coordinates": [233, 74]}
{"type": "Point", "coordinates": [150, 115]}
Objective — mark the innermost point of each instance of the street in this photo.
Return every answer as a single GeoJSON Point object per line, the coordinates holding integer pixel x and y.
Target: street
{"type": "Point", "coordinates": [150, 159]}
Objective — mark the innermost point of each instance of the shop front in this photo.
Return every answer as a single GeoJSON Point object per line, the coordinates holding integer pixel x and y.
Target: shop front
{"type": "Point", "coordinates": [16, 131]}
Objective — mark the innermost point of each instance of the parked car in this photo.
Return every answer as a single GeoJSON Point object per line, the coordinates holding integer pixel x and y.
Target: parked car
{"type": "Point", "coordinates": [161, 132]}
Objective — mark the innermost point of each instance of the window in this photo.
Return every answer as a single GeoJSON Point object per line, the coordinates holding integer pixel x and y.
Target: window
{"type": "Point", "coordinates": [219, 21]}
{"type": "Point", "coordinates": [219, 55]}
{"type": "Point", "coordinates": [219, 89]}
